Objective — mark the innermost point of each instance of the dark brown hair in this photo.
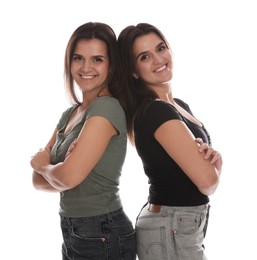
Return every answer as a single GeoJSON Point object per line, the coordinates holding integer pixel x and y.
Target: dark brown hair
{"type": "Point", "coordinates": [136, 94]}
{"type": "Point", "coordinates": [103, 32]}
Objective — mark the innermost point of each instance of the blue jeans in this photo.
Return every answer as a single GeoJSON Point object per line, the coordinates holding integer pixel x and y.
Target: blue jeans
{"type": "Point", "coordinates": [106, 237]}
{"type": "Point", "coordinates": [173, 233]}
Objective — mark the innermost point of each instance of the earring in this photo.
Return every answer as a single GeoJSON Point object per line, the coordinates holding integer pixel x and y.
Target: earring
{"type": "Point", "coordinates": [135, 75]}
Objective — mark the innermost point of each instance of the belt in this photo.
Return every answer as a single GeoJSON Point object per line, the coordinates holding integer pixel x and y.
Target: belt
{"type": "Point", "coordinates": [154, 208]}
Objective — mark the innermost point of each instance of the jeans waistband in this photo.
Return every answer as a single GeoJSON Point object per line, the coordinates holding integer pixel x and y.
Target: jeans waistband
{"type": "Point", "coordinates": [172, 209]}
{"type": "Point", "coordinates": [109, 215]}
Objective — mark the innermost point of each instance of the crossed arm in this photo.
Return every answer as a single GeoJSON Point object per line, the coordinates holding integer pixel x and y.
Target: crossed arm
{"type": "Point", "coordinates": [90, 147]}
{"type": "Point", "coordinates": [201, 163]}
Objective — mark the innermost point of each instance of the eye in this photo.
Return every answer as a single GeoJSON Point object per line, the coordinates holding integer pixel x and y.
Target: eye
{"type": "Point", "coordinates": [98, 59]}
{"type": "Point", "coordinates": [76, 57]}
{"type": "Point", "coordinates": [144, 57]}
{"type": "Point", "coordinates": [162, 48]}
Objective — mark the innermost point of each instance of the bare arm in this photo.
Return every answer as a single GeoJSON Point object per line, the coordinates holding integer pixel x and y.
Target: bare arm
{"type": "Point", "coordinates": [210, 154]}
{"type": "Point", "coordinates": [38, 181]}
{"type": "Point", "coordinates": [91, 144]}
{"type": "Point", "coordinates": [183, 148]}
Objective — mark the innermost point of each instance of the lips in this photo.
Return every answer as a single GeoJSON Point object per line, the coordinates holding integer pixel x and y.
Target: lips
{"type": "Point", "coordinates": [161, 68]}
{"type": "Point", "coordinates": [87, 76]}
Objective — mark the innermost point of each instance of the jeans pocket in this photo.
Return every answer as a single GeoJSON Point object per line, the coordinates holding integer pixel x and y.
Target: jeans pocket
{"type": "Point", "coordinates": [189, 234]}
{"type": "Point", "coordinates": [151, 243]}
{"type": "Point", "coordinates": [89, 245]}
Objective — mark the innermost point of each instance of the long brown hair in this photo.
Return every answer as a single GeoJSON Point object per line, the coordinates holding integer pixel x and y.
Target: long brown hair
{"type": "Point", "coordinates": [104, 33]}
{"type": "Point", "coordinates": [137, 96]}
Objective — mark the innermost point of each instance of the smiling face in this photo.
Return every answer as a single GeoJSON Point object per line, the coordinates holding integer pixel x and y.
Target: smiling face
{"type": "Point", "coordinates": [90, 65]}
{"type": "Point", "coordinates": [153, 60]}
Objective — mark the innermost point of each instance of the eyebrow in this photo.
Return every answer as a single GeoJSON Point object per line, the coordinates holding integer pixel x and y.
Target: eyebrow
{"type": "Point", "coordinates": [140, 54]}
{"type": "Point", "coordinates": [145, 52]}
{"type": "Point", "coordinates": [97, 55]}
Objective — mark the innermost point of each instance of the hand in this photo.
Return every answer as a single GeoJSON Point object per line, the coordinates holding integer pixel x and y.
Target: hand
{"type": "Point", "coordinates": [72, 146]}
{"type": "Point", "coordinates": [210, 154]}
{"type": "Point", "coordinates": [41, 158]}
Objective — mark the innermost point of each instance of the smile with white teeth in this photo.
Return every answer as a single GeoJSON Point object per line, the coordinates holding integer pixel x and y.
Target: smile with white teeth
{"type": "Point", "coordinates": [161, 68]}
{"type": "Point", "coordinates": [87, 76]}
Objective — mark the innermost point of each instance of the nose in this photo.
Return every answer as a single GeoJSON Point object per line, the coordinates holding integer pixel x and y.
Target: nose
{"type": "Point", "coordinates": [85, 65]}
{"type": "Point", "coordinates": [157, 58]}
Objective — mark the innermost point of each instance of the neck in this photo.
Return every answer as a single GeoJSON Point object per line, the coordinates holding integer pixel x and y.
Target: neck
{"type": "Point", "coordinates": [167, 98]}
{"type": "Point", "coordinates": [104, 92]}
{"type": "Point", "coordinates": [88, 97]}
{"type": "Point", "coordinates": [165, 93]}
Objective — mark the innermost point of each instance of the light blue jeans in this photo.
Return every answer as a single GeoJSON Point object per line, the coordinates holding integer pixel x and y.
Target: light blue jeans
{"type": "Point", "coordinates": [174, 233]}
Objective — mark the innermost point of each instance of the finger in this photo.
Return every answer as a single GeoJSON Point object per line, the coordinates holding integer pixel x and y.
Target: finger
{"type": "Point", "coordinates": [199, 140]}
{"type": "Point", "coordinates": [48, 149]}
{"type": "Point", "coordinates": [216, 156]}
{"type": "Point", "coordinates": [210, 153]}
{"type": "Point", "coordinates": [203, 147]}
{"type": "Point", "coordinates": [71, 148]}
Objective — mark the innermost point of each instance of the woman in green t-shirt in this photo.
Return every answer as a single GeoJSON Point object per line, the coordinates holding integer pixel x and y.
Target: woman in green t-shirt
{"type": "Point", "coordinates": [93, 223]}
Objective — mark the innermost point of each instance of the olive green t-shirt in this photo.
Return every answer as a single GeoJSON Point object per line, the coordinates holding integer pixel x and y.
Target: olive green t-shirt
{"type": "Point", "coordinates": [99, 192]}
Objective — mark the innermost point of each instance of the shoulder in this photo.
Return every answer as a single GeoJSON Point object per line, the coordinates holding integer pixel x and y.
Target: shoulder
{"type": "Point", "coordinates": [65, 116]}
{"type": "Point", "coordinates": [155, 115]}
{"type": "Point", "coordinates": [107, 104]}
{"type": "Point", "coordinates": [68, 111]}
{"type": "Point", "coordinates": [183, 104]}
{"type": "Point", "coordinates": [161, 108]}
{"type": "Point", "coordinates": [109, 108]}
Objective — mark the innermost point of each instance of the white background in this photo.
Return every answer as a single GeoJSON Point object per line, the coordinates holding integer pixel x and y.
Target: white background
{"type": "Point", "coordinates": [214, 45]}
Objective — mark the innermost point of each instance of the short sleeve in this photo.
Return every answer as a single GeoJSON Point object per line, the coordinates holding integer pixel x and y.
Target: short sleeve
{"type": "Point", "coordinates": [158, 113]}
{"type": "Point", "coordinates": [109, 108]}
